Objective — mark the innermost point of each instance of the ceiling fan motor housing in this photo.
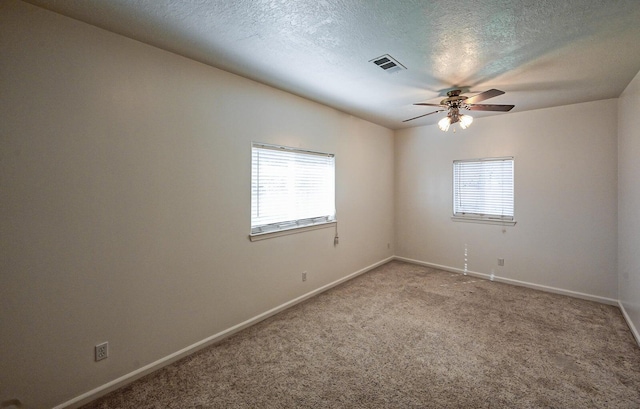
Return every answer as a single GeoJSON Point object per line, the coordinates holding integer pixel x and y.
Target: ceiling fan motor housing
{"type": "Point", "coordinates": [453, 98]}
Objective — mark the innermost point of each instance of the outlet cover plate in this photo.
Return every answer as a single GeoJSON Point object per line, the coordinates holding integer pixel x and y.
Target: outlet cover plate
{"type": "Point", "coordinates": [102, 351]}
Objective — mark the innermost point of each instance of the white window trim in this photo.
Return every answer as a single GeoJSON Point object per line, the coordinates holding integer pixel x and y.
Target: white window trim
{"type": "Point", "coordinates": [477, 219]}
{"type": "Point", "coordinates": [292, 230]}
{"type": "Point", "coordinates": [484, 219]}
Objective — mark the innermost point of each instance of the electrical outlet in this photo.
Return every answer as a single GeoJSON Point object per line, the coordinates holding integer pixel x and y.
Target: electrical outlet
{"type": "Point", "coordinates": [102, 351]}
{"type": "Point", "coordinates": [501, 262]}
{"type": "Point", "coordinates": [336, 241]}
{"type": "Point", "coordinates": [304, 276]}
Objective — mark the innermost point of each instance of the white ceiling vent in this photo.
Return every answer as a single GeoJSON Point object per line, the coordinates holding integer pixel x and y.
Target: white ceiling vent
{"type": "Point", "coordinates": [388, 63]}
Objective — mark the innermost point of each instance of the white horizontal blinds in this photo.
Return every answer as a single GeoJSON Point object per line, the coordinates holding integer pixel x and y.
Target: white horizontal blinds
{"type": "Point", "coordinates": [290, 188]}
{"type": "Point", "coordinates": [483, 188]}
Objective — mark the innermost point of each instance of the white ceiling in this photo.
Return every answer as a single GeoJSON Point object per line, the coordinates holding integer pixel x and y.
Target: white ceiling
{"type": "Point", "coordinates": [543, 53]}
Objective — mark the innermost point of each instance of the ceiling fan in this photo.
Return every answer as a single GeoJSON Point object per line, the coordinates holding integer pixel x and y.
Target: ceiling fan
{"type": "Point", "coordinates": [455, 102]}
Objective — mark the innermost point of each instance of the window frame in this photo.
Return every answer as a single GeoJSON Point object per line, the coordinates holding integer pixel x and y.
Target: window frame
{"type": "Point", "coordinates": [500, 219]}
{"type": "Point", "coordinates": [285, 227]}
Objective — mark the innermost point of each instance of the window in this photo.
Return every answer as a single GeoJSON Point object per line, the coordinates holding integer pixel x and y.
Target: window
{"type": "Point", "coordinates": [290, 188]}
{"type": "Point", "coordinates": [483, 190]}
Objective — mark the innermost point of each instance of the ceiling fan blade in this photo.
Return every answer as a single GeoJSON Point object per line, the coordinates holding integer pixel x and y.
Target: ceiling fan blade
{"type": "Point", "coordinates": [428, 104]}
{"type": "Point", "coordinates": [484, 95]}
{"type": "Point", "coordinates": [484, 107]}
{"type": "Point", "coordinates": [434, 112]}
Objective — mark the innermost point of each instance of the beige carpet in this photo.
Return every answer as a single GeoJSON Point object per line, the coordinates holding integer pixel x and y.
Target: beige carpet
{"type": "Point", "coordinates": [405, 336]}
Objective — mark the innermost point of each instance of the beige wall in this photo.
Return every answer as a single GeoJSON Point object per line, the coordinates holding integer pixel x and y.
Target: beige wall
{"type": "Point", "coordinates": [125, 210]}
{"type": "Point", "coordinates": [629, 201]}
{"type": "Point", "coordinates": [565, 197]}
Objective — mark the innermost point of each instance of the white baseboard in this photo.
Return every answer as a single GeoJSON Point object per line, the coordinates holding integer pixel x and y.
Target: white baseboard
{"type": "Point", "coordinates": [575, 294]}
{"type": "Point", "coordinates": [632, 327]}
{"type": "Point", "coordinates": [154, 366]}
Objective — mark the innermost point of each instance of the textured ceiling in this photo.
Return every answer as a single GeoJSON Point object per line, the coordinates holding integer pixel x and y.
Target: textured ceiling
{"type": "Point", "coordinates": [541, 52]}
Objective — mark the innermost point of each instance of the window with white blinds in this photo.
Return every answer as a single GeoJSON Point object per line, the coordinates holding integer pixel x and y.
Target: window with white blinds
{"type": "Point", "coordinates": [290, 188]}
{"type": "Point", "coordinates": [483, 189]}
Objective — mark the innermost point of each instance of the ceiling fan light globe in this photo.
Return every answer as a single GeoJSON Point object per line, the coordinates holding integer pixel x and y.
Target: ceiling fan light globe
{"type": "Point", "coordinates": [444, 123]}
{"type": "Point", "coordinates": [465, 121]}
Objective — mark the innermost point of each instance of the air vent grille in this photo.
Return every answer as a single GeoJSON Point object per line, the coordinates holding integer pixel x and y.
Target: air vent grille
{"type": "Point", "coordinates": [388, 63]}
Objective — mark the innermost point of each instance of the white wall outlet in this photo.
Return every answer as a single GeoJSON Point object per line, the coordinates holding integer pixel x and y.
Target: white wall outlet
{"type": "Point", "coordinates": [304, 276]}
{"type": "Point", "coordinates": [102, 351]}
{"type": "Point", "coordinates": [501, 262]}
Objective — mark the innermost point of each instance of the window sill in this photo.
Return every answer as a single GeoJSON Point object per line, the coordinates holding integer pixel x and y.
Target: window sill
{"type": "Point", "coordinates": [292, 230]}
{"type": "Point", "coordinates": [483, 221]}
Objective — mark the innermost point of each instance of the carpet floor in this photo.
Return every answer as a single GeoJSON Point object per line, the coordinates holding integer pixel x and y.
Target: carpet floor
{"type": "Point", "coordinates": [407, 336]}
